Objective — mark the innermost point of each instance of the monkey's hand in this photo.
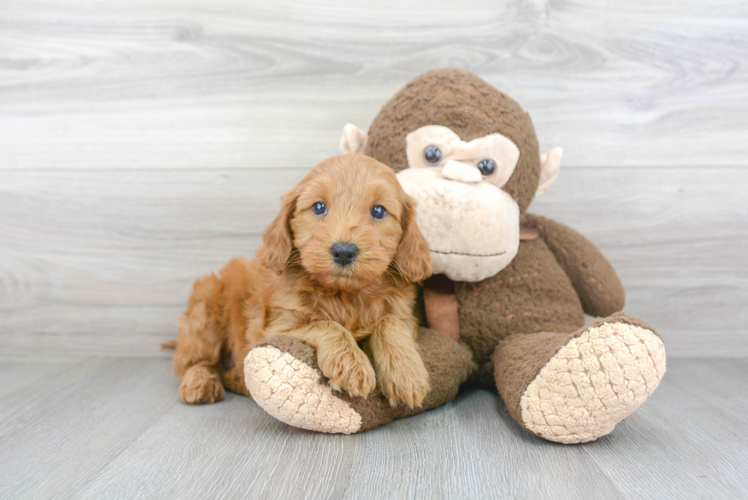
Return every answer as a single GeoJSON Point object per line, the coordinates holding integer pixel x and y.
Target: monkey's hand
{"type": "Point", "coordinates": [592, 276]}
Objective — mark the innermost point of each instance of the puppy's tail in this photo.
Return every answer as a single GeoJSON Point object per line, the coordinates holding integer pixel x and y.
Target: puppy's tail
{"type": "Point", "coordinates": [172, 344]}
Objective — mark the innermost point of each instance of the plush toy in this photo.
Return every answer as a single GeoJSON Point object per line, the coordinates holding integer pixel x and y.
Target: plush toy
{"type": "Point", "coordinates": [506, 305]}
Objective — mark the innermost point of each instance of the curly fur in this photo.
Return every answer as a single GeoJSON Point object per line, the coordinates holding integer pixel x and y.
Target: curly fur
{"type": "Point", "coordinates": [293, 287]}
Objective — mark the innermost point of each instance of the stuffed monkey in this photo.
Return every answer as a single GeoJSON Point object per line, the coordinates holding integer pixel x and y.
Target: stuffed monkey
{"type": "Point", "coordinates": [506, 306]}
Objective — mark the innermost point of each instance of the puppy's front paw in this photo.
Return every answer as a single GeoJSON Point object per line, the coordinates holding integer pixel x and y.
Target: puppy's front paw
{"type": "Point", "coordinates": [348, 370]}
{"type": "Point", "coordinates": [201, 384]}
{"type": "Point", "coordinates": [404, 383]}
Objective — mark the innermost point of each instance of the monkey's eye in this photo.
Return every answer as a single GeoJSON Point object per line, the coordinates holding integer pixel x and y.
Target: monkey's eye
{"type": "Point", "coordinates": [319, 208]}
{"type": "Point", "coordinates": [378, 212]}
{"type": "Point", "coordinates": [432, 154]}
{"type": "Point", "coordinates": [487, 166]}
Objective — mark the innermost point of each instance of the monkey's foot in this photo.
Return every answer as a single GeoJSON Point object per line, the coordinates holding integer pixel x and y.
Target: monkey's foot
{"type": "Point", "coordinates": [592, 379]}
{"type": "Point", "coordinates": [283, 377]}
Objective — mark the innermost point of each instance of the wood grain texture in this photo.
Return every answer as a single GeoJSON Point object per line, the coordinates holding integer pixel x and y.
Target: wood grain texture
{"type": "Point", "coordinates": [142, 144]}
{"type": "Point", "coordinates": [230, 83]}
{"type": "Point", "coordinates": [113, 428]}
{"type": "Point", "coordinates": [17, 373]}
{"type": "Point", "coordinates": [102, 262]}
{"type": "Point", "coordinates": [705, 425]}
{"type": "Point", "coordinates": [678, 239]}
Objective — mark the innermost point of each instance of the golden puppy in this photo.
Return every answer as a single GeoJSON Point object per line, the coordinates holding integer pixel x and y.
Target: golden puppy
{"type": "Point", "coordinates": [335, 270]}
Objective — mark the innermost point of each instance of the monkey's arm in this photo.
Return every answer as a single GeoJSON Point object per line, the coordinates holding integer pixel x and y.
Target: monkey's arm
{"type": "Point", "coordinates": [592, 276]}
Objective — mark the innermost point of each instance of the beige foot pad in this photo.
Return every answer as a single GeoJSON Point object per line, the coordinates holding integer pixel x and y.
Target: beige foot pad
{"type": "Point", "coordinates": [593, 382]}
{"type": "Point", "coordinates": [293, 392]}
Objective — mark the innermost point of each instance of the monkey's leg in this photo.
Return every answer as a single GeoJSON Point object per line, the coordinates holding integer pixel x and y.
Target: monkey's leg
{"type": "Point", "coordinates": [575, 387]}
{"type": "Point", "coordinates": [282, 376]}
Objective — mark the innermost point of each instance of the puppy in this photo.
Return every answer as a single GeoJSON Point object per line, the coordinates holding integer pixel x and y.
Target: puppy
{"type": "Point", "coordinates": [335, 270]}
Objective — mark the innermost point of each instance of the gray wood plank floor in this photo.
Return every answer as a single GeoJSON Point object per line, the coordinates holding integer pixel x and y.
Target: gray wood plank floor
{"type": "Point", "coordinates": [100, 427]}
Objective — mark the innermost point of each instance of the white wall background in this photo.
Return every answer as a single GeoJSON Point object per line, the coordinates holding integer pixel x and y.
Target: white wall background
{"type": "Point", "coordinates": [144, 143]}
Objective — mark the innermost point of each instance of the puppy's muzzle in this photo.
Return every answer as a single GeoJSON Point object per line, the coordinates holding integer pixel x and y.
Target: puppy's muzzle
{"type": "Point", "coordinates": [344, 254]}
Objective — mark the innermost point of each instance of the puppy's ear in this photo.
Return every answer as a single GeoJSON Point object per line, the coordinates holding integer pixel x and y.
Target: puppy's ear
{"type": "Point", "coordinates": [277, 239]}
{"type": "Point", "coordinates": [413, 258]}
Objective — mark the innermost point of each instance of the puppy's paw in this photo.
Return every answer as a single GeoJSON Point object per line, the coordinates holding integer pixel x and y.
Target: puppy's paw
{"type": "Point", "coordinates": [348, 370]}
{"type": "Point", "coordinates": [404, 383]}
{"type": "Point", "coordinates": [201, 384]}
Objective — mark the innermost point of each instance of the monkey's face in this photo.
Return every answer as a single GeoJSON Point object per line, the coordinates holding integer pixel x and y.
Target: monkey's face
{"type": "Point", "coordinates": [471, 224]}
{"type": "Point", "coordinates": [470, 156]}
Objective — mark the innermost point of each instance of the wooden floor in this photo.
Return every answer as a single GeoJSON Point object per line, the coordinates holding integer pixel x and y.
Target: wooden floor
{"type": "Point", "coordinates": [97, 427]}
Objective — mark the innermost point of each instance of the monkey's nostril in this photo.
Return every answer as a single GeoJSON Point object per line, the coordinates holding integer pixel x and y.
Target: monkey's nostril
{"type": "Point", "coordinates": [344, 253]}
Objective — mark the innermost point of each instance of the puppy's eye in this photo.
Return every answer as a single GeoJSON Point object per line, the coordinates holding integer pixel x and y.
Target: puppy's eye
{"type": "Point", "coordinates": [378, 212]}
{"type": "Point", "coordinates": [319, 208]}
{"type": "Point", "coordinates": [432, 154]}
{"type": "Point", "coordinates": [487, 166]}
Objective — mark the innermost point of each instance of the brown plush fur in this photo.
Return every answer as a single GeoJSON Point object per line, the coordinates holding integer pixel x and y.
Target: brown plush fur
{"type": "Point", "coordinates": [554, 279]}
{"type": "Point", "coordinates": [513, 323]}
{"type": "Point", "coordinates": [448, 363]}
{"type": "Point", "coordinates": [550, 284]}
{"type": "Point", "coordinates": [521, 357]}
{"type": "Point", "coordinates": [591, 275]}
{"type": "Point", "coordinates": [470, 107]}
{"type": "Point", "coordinates": [532, 294]}
{"type": "Point", "coordinates": [294, 288]}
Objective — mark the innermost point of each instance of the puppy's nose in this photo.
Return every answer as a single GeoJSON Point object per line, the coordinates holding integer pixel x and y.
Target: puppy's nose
{"type": "Point", "coordinates": [344, 253]}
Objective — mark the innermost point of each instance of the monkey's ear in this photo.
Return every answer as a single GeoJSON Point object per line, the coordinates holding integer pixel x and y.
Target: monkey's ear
{"type": "Point", "coordinates": [277, 241]}
{"type": "Point", "coordinates": [413, 259]}
{"type": "Point", "coordinates": [353, 139]}
{"type": "Point", "coordinates": [550, 167]}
